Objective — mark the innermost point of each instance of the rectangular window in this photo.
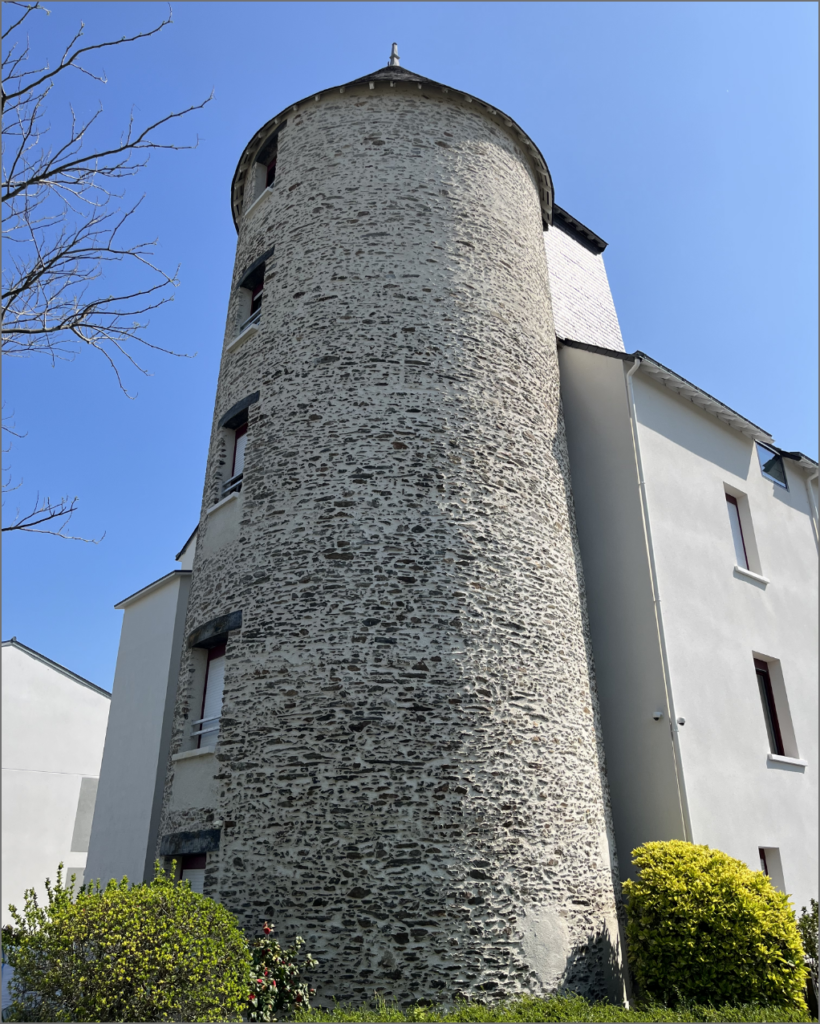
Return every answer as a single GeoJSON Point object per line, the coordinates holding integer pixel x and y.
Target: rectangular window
{"type": "Point", "coordinates": [737, 532]}
{"type": "Point", "coordinates": [239, 441]}
{"type": "Point", "coordinates": [771, 465]}
{"type": "Point", "coordinates": [270, 175]}
{"type": "Point", "coordinates": [251, 293]}
{"type": "Point", "coordinates": [256, 299]}
{"type": "Point", "coordinates": [764, 682]}
{"type": "Point", "coordinates": [207, 727]}
{"type": "Point", "coordinates": [771, 865]}
{"type": "Point", "coordinates": [193, 871]}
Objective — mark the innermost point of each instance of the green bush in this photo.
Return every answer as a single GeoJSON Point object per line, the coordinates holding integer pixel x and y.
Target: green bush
{"type": "Point", "coordinates": [703, 927]}
{"type": "Point", "coordinates": [807, 925]}
{"type": "Point", "coordinates": [276, 983]}
{"type": "Point", "coordinates": [149, 952]}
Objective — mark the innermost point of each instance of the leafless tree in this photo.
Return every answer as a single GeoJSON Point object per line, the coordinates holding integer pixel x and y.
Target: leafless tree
{"type": "Point", "coordinates": [62, 225]}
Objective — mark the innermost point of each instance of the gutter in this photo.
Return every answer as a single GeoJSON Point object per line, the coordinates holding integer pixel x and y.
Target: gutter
{"type": "Point", "coordinates": [683, 802]}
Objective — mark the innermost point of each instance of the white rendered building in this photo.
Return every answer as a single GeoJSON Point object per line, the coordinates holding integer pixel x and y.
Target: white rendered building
{"type": "Point", "coordinates": [699, 546]}
{"type": "Point", "coordinates": [54, 724]}
{"type": "Point", "coordinates": [124, 834]}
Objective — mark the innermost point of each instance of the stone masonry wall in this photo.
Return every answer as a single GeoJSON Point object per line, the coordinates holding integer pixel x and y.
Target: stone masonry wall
{"type": "Point", "coordinates": [410, 763]}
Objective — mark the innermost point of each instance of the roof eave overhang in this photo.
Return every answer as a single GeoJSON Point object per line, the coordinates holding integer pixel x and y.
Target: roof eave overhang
{"type": "Point", "coordinates": [391, 77]}
{"type": "Point", "coordinates": [681, 386]}
{"type": "Point", "coordinates": [151, 587]}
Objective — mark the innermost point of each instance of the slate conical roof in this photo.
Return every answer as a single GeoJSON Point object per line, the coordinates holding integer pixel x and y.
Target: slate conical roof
{"type": "Point", "coordinates": [395, 75]}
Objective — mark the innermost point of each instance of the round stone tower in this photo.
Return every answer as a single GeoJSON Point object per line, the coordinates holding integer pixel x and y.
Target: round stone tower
{"type": "Point", "coordinates": [409, 769]}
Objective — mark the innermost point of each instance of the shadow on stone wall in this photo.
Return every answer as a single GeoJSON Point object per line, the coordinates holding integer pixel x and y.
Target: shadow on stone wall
{"type": "Point", "coordinates": [597, 969]}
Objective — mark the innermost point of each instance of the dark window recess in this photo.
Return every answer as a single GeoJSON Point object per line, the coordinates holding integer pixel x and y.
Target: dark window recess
{"type": "Point", "coordinates": [256, 287]}
{"type": "Point", "coordinates": [764, 867]}
{"type": "Point", "coordinates": [737, 532]}
{"type": "Point", "coordinates": [270, 176]}
{"type": "Point", "coordinates": [764, 682]}
{"type": "Point", "coordinates": [771, 465]}
{"type": "Point", "coordinates": [234, 483]}
{"type": "Point", "coordinates": [192, 870]}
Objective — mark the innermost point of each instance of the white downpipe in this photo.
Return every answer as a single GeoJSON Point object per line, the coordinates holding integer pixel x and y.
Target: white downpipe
{"type": "Point", "coordinates": [813, 505]}
{"type": "Point", "coordinates": [670, 704]}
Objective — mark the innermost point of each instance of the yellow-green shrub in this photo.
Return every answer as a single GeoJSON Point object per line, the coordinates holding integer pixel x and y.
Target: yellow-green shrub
{"type": "Point", "coordinates": [155, 951]}
{"type": "Point", "coordinates": [703, 927]}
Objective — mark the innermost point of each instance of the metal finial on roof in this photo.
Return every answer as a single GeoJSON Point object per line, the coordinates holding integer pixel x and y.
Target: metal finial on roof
{"type": "Point", "coordinates": [394, 56]}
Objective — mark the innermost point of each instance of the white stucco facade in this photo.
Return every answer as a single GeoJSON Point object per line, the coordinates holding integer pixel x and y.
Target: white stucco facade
{"type": "Point", "coordinates": [712, 779]}
{"type": "Point", "coordinates": [53, 732]}
{"type": "Point", "coordinates": [123, 836]}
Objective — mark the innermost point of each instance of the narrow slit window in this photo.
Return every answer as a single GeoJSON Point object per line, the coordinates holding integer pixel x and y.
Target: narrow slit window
{"type": "Point", "coordinates": [240, 440]}
{"type": "Point", "coordinates": [764, 682]}
{"type": "Point", "coordinates": [193, 871]}
{"type": "Point", "coordinates": [737, 532]}
{"type": "Point", "coordinates": [256, 298]}
{"type": "Point", "coordinates": [207, 727]}
{"type": "Point", "coordinates": [764, 867]}
{"type": "Point", "coordinates": [270, 174]}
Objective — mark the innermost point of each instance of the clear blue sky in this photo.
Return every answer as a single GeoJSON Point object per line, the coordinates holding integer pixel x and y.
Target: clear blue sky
{"type": "Point", "coordinates": [685, 134]}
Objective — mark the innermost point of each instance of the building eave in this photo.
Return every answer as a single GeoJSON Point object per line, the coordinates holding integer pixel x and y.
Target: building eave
{"type": "Point", "coordinates": [14, 642]}
{"type": "Point", "coordinates": [145, 591]}
{"type": "Point", "coordinates": [681, 386]}
{"type": "Point", "coordinates": [393, 76]}
{"type": "Point", "coordinates": [181, 551]}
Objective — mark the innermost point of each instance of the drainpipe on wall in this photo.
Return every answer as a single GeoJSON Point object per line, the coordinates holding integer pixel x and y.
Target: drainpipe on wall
{"type": "Point", "coordinates": [683, 803]}
{"type": "Point", "coordinates": [812, 504]}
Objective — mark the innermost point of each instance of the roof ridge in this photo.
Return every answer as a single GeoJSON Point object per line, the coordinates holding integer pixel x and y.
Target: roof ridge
{"type": "Point", "coordinates": [14, 642]}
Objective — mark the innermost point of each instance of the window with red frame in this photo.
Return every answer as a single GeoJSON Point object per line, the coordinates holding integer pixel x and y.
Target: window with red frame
{"type": "Point", "coordinates": [208, 723]}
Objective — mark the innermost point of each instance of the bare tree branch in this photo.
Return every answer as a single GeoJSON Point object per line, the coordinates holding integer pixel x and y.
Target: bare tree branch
{"type": "Point", "coordinates": [53, 512]}
{"type": "Point", "coordinates": [60, 224]}
{"type": "Point", "coordinates": [62, 227]}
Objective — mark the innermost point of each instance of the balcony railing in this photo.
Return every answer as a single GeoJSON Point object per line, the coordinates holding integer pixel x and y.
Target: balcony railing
{"type": "Point", "coordinates": [252, 319]}
{"type": "Point", "coordinates": [232, 485]}
{"type": "Point", "coordinates": [207, 727]}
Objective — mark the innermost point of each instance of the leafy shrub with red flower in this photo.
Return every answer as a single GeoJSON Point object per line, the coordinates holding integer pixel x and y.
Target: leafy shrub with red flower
{"type": "Point", "coordinates": [276, 982]}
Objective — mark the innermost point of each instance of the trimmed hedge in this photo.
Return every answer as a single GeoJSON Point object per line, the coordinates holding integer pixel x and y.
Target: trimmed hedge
{"type": "Point", "coordinates": [559, 1008]}
{"type": "Point", "coordinates": [702, 926]}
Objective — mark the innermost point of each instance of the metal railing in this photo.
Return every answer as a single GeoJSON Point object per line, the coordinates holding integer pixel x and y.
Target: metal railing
{"type": "Point", "coordinates": [234, 484]}
{"type": "Point", "coordinates": [252, 319]}
{"type": "Point", "coordinates": [203, 731]}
